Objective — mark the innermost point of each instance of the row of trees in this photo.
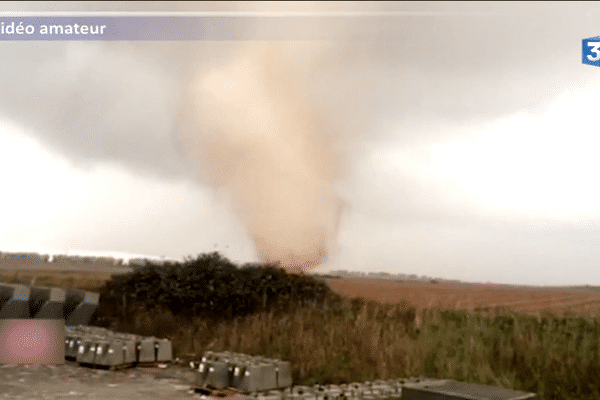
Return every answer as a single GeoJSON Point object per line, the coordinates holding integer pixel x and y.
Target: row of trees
{"type": "Point", "coordinates": [213, 286]}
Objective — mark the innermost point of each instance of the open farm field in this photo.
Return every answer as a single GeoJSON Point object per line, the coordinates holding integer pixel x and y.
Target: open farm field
{"type": "Point", "coordinates": [66, 279]}
{"type": "Point", "coordinates": [472, 296]}
{"type": "Point", "coordinates": [583, 301]}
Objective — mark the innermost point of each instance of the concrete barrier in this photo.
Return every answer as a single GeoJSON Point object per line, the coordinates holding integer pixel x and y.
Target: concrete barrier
{"type": "Point", "coordinates": [46, 302]}
{"type": "Point", "coordinates": [79, 307]}
{"type": "Point", "coordinates": [14, 301]}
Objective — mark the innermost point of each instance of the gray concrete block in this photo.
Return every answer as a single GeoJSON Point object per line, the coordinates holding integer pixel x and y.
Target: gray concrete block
{"type": "Point", "coordinates": [454, 390]}
{"type": "Point", "coordinates": [14, 301]}
{"type": "Point", "coordinates": [46, 302]}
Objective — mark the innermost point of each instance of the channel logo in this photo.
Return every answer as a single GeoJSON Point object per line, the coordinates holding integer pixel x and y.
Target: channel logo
{"type": "Point", "coordinates": [590, 53]}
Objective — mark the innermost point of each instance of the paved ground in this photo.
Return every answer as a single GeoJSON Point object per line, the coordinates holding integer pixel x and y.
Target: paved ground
{"type": "Point", "coordinates": [70, 381]}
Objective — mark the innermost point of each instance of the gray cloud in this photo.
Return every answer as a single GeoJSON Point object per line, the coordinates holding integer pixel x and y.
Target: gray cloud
{"type": "Point", "coordinates": [129, 104]}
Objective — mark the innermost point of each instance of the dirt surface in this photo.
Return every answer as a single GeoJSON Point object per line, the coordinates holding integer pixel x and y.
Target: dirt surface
{"type": "Point", "coordinates": [472, 296]}
{"type": "Point", "coordinates": [70, 381]}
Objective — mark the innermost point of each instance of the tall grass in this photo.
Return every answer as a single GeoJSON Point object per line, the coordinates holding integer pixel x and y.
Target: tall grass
{"type": "Point", "coordinates": [556, 357]}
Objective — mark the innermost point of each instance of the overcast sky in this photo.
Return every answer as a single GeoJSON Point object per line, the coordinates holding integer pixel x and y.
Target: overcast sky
{"type": "Point", "coordinates": [461, 143]}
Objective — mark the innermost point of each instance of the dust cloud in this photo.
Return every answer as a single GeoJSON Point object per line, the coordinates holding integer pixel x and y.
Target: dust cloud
{"type": "Point", "coordinates": [262, 140]}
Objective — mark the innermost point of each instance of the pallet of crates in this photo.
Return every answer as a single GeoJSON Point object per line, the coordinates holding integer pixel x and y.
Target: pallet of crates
{"type": "Point", "coordinates": [115, 353]}
{"type": "Point", "coordinates": [112, 351]}
{"type": "Point", "coordinates": [215, 371]}
{"type": "Point", "coordinates": [241, 373]}
{"type": "Point", "coordinates": [86, 349]}
{"type": "Point", "coordinates": [74, 337]}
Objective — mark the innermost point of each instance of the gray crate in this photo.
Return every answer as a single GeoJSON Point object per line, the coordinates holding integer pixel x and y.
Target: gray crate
{"type": "Point", "coordinates": [152, 349]}
{"type": "Point", "coordinates": [201, 373]}
{"type": "Point", "coordinates": [113, 352]}
{"type": "Point", "coordinates": [146, 351]}
{"type": "Point", "coordinates": [79, 307]}
{"type": "Point", "coordinates": [284, 374]}
{"type": "Point", "coordinates": [72, 344]}
{"type": "Point", "coordinates": [256, 377]}
{"type": "Point", "coordinates": [164, 350]}
{"type": "Point", "coordinates": [219, 374]}
{"type": "Point", "coordinates": [46, 302]}
{"type": "Point", "coordinates": [269, 376]}
{"type": "Point", "coordinates": [86, 351]}
{"type": "Point", "coordinates": [128, 350]}
{"type": "Point", "coordinates": [454, 390]}
{"type": "Point", "coordinates": [103, 356]}
{"type": "Point", "coordinates": [14, 301]}
{"type": "Point", "coordinates": [239, 380]}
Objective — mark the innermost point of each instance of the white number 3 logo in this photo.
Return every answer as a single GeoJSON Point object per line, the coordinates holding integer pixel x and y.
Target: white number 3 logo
{"type": "Point", "coordinates": [594, 46]}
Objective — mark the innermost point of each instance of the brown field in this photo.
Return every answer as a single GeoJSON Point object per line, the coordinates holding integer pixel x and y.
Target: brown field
{"type": "Point", "coordinates": [462, 296]}
{"type": "Point", "coordinates": [90, 280]}
{"type": "Point", "coordinates": [471, 296]}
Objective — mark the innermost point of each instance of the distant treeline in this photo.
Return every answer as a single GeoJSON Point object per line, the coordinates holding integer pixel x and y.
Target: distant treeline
{"type": "Point", "coordinates": [388, 276]}
{"type": "Point", "coordinates": [36, 258]}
